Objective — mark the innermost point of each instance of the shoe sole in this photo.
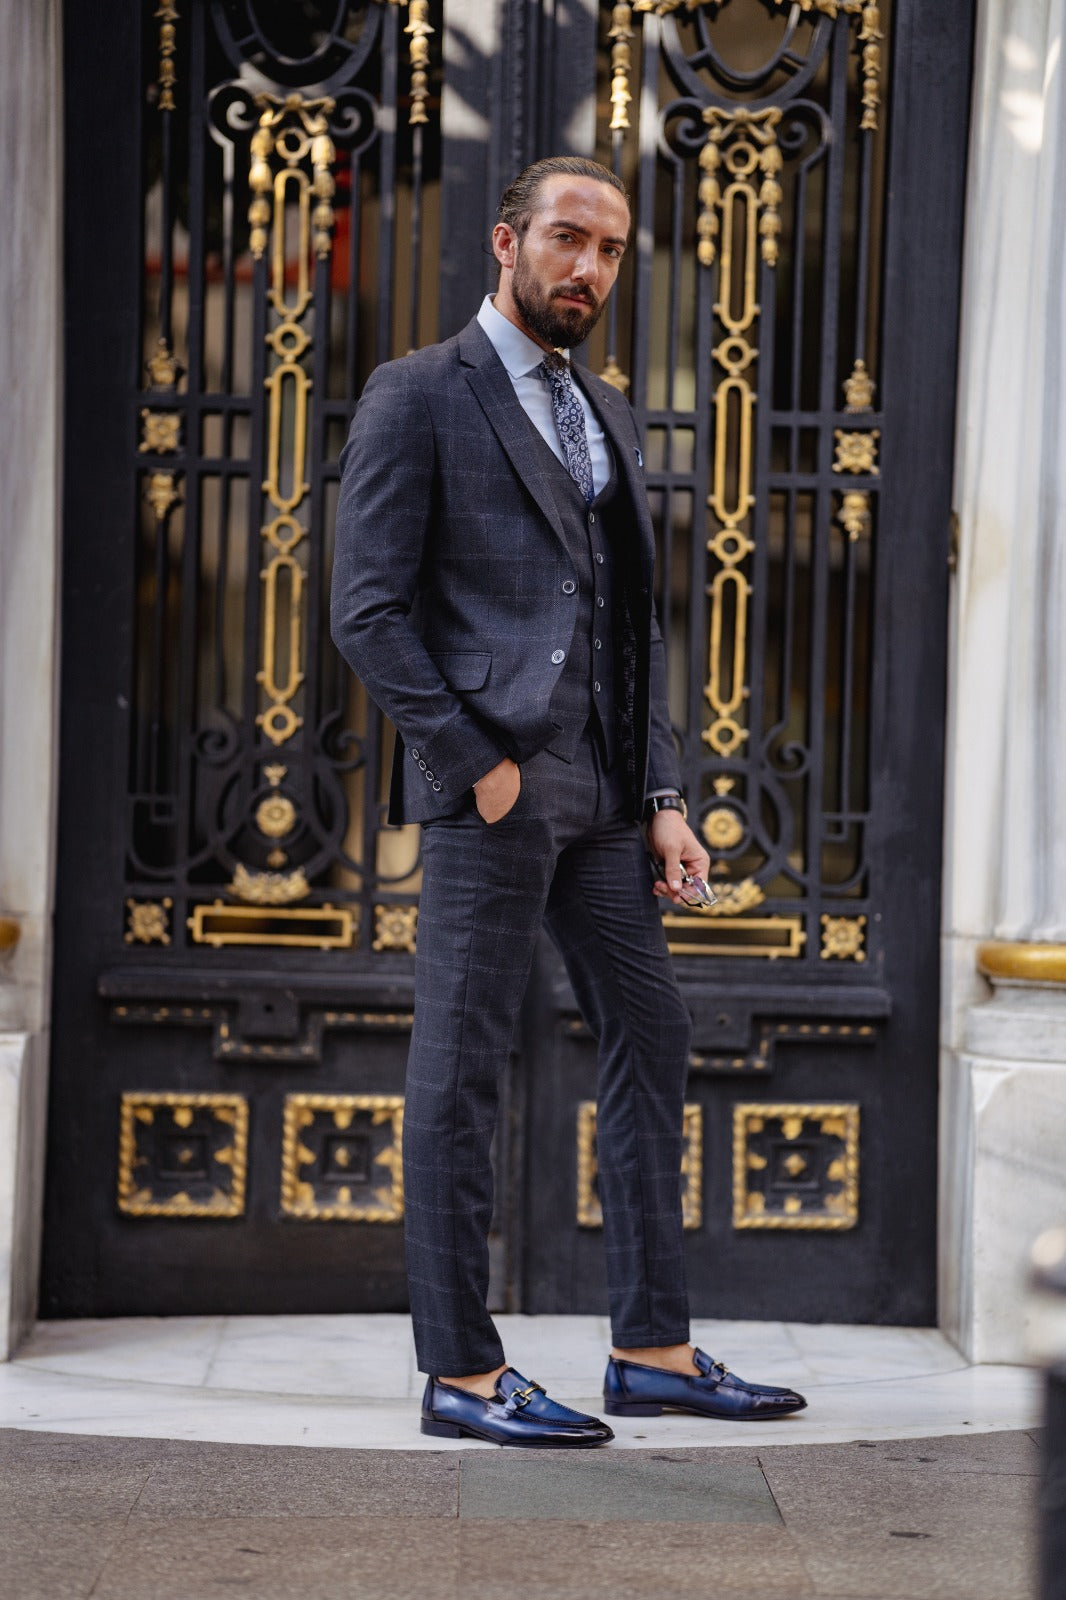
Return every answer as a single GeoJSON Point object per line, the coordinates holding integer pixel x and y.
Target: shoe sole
{"type": "Point", "coordinates": [624, 1409]}
{"type": "Point", "coordinates": [452, 1430]}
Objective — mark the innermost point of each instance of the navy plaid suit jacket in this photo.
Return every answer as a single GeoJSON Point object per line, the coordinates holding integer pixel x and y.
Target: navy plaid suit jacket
{"type": "Point", "coordinates": [448, 597]}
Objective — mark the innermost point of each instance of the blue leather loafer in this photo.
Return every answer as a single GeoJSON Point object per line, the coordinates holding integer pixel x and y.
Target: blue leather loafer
{"type": "Point", "coordinates": [633, 1390]}
{"type": "Point", "coordinates": [520, 1414]}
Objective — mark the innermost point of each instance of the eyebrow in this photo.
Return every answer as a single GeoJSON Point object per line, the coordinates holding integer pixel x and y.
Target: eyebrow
{"type": "Point", "coordinates": [576, 227]}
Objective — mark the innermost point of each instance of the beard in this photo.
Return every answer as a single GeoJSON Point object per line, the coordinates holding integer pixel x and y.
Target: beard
{"type": "Point", "coordinates": [546, 316]}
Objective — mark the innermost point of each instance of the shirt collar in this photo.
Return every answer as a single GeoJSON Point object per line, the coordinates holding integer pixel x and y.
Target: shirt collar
{"type": "Point", "coordinates": [518, 352]}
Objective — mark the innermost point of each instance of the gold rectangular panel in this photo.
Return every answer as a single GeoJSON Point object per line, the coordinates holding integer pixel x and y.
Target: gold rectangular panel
{"type": "Point", "coordinates": [334, 1149]}
{"type": "Point", "coordinates": [796, 1166]}
{"type": "Point", "coordinates": [319, 927]}
{"type": "Point", "coordinates": [589, 1211]}
{"type": "Point", "coordinates": [182, 1155]}
{"type": "Point", "coordinates": [771, 938]}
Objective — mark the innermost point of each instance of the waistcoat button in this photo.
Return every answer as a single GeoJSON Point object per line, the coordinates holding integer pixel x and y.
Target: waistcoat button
{"type": "Point", "coordinates": [569, 586]}
{"type": "Point", "coordinates": [558, 657]}
{"type": "Point", "coordinates": [599, 559]}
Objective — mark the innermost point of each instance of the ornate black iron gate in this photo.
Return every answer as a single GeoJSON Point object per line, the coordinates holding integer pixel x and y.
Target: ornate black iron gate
{"type": "Point", "coordinates": [285, 203]}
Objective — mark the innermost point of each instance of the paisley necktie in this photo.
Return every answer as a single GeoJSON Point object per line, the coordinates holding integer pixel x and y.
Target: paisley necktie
{"type": "Point", "coordinates": [570, 421]}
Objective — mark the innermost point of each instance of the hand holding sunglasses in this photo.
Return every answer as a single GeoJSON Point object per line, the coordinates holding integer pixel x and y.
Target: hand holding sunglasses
{"type": "Point", "coordinates": [694, 892]}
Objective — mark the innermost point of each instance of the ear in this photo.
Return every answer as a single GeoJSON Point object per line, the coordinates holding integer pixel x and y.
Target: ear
{"type": "Point", "coordinates": [504, 244]}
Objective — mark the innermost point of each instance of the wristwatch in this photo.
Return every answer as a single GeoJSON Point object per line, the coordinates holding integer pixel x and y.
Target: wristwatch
{"type": "Point", "coordinates": [664, 802]}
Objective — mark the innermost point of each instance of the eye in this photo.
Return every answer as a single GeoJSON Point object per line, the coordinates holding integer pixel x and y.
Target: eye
{"type": "Point", "coordinates": [567, 238]}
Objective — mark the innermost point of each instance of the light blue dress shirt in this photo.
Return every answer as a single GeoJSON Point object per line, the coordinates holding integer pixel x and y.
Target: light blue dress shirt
{"type": "Point", "coordinates": [521, 356]}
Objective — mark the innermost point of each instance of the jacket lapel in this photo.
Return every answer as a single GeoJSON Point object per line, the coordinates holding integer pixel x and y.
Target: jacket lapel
{"type": "Point", "coordinates": [489, 379]}
{"type": "Point", "coordinates": [608, 405]}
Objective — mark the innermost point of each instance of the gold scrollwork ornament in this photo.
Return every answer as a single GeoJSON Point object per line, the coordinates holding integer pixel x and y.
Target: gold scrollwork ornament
{"type": "Point", "coordinates": [160, 432]}
{"type": "Point", "coordinates": [161, 494]}
{"type": "Point", "coordinates": [148, 921]}
{"type": "Point", "coordinates": [621, 32]}
{"type": "Point", "coordinates": [167, 15]}
{"type": "Point", "coordinates": [275, 816]}
{"type": "Point", "coordinates": [419, 29]}
{"type": "Point", "coordinates": [859, 389]}
{"type": "Point", "coordinates": [722, 828]}
{"type": "Point", "coordinates": [163, 366]}
{"type": "Point", "coordinates": [395, 928]}
{"type": "Point", "coordinates": [854, 514]}
{"type": "Point", "coordinates": [857, 452]}
{"type": "Point", "coordinates": [843, 938]}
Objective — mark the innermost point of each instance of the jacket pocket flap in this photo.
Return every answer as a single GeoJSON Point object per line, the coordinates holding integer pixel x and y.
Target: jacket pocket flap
{"type": "Point", "coordinates": [464, 669]}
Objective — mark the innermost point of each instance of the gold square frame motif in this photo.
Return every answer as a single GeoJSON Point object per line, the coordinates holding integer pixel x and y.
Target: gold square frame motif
{"type": "Point", "coordinates": [589, 1210]}
{"type": "Point", "coordinates": [833, 1184]}
{"type": "Point", "coordinates": [329, 1116]}
{"type": "Point", "coordinates": [194, 1117]}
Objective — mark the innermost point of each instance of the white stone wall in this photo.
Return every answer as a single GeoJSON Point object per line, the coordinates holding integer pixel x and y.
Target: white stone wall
{"type": "Point", "coordinates": [1003, 1115]}
{"type": "Point", "coordinates": [30, 348]}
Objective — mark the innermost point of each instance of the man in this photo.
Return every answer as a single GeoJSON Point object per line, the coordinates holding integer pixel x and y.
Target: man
{"type": "Point", "coordinates": [493, 590]}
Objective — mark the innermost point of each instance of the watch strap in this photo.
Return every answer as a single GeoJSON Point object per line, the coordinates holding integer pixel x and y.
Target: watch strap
{"type": "Point", "coordinates": [664, 802]}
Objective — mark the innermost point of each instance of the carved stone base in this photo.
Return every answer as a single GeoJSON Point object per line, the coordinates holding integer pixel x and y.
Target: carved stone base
{"type": "Point", "coordinates": [1004, 1177]}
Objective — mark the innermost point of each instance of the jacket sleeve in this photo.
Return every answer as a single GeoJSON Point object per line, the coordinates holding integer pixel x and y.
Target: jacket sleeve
{"type": "Point", "coordinates": [383, 518]}
{"type": "Point", "coordinates": [663, 770]}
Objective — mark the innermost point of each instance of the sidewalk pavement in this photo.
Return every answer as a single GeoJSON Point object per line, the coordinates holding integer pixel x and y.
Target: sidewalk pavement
{"type": "Point", "coordinates": [150, 1519]}
{"type": "Point", "coordinates": [195, 1458]}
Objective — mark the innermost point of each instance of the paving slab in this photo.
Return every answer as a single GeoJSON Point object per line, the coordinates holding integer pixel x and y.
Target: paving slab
{"type": "Point", "coordinates": [70, 1489]}
{"type": "Point", "coordinates": [601, 1487]}
{"type": "Point", "coordinates": [242, 1481]}
{"type": "Point", "coordinates": [55, 1558]}
{"type": "Point", "coordinates": [318, 1558]}
{"type": "Point", "coordinates": [647, 1561]}
{"type": "Point", "coordinates": [983, 1453]}
{"type": "Point", "coordinates": [922, 1523]}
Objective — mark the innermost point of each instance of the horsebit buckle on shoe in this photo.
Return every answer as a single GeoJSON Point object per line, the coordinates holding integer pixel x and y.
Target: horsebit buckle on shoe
{"type": "Point", "coordinates": [523, 1396]}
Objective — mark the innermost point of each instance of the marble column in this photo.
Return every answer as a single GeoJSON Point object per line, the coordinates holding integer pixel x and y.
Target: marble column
{"type": "Point", "coordinates": [1003, 1114]}
{"type": "Point", "coordinates": [30, 344]}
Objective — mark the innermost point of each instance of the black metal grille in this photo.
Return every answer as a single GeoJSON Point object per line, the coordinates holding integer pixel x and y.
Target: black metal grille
{"type": "Point", "coordinates": [753, 142]}
{"type": "Point", "coordinates": [287, 187]}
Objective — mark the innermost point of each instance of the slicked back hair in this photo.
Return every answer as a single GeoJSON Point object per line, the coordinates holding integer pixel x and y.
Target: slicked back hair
{"type": "Point", "coordinates": [519, 200]}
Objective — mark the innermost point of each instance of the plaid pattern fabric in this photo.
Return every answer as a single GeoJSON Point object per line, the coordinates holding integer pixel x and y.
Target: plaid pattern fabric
{"type": "Point", "coordinates": [563, 855]}
{"type": "Point", "coordinates": [448, 598]}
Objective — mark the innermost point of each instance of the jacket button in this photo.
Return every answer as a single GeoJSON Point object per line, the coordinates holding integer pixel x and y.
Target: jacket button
{"type": "Point", "coordinates": [596, 687]}
{"type": "Point", "coordinates": [558, 657]}
{"type": "Point", "coordinates": [569, 586]}
{"type": "Point", "coordinates": [599, 600]}
{"type": "Point", "coordinates": [599, 559]}
{"type": "Point", "coordinates": [592, 516]}
{"type": "Point", "coordinates": [437, 787]}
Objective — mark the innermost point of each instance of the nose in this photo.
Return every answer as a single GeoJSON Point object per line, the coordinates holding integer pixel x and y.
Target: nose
{"type": "Point", "coordinates": [588, 265]}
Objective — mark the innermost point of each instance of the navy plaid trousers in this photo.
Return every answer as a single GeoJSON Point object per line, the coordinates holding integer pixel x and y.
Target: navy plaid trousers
{"type": "Point", "coordinates": [564, 856]}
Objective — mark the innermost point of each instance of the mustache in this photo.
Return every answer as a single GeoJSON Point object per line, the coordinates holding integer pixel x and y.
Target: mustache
{"type": "Point", "coordinates": [586, 295]}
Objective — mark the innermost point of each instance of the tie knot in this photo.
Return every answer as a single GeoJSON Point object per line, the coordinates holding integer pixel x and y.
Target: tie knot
{"type": "Point", "coordinates": [554, 364]}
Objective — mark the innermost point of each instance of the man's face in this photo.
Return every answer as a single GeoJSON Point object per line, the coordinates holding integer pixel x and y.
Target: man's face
{"type": "Point", "coordinates": [564, 266]}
